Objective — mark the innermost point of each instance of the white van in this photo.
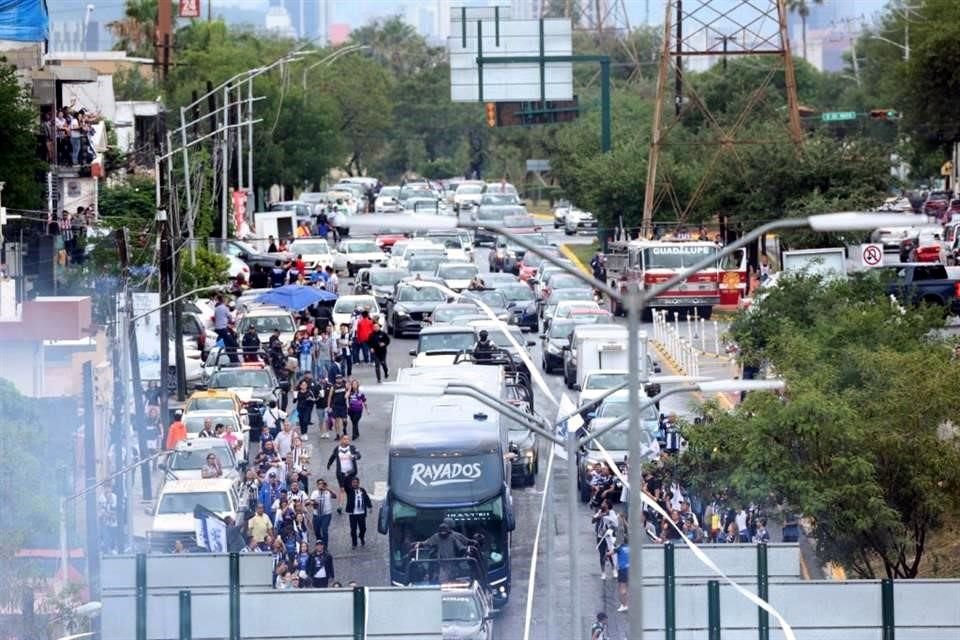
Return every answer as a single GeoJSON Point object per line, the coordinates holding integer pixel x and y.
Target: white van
{"type": "Point", "coordinates": [173, 515]}
{"type": "Point", "coordinates": [598, 347]}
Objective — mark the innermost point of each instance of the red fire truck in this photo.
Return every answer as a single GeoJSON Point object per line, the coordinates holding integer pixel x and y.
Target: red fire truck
{"type": "Point", "coordinates": [651, 262]}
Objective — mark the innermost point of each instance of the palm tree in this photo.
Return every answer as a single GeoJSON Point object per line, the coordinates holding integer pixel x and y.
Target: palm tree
{"type": "Point", "coordinates": [136, 30]}
{"type": "Point", "coordinates": [802, 9]}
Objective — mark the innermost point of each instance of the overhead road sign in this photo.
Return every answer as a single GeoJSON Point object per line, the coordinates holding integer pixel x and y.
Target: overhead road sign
{"type": "Point", "coordinates": [490, 38]}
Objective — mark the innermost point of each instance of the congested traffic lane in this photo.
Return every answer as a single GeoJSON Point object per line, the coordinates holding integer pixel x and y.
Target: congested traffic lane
{"type": "Point", "coordinates": [368, 565]}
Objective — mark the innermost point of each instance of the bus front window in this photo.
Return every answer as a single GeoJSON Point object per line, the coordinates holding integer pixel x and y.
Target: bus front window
{"type": "Point", "coordinates": [482, 523]}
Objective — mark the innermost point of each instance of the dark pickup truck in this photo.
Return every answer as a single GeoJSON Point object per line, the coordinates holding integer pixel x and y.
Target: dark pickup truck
{"type": "Point", "coordinates": [917, 283]}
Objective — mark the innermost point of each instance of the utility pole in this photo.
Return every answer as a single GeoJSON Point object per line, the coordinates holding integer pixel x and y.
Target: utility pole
{"type": "Point", "coordinates": [165, 258]}
{"type": "Point", "coordinates": [678, 75]}
{"type": "Point", "coordinates": [140, 425]}
{"type": "Point", "coordinates": [225, 165]}
{"type": "Point", "coordinates": [164, 33]}
{"type": "Point", "coordinates": [90, 475]}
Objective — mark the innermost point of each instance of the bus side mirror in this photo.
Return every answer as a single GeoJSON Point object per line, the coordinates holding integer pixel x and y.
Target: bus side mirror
{"type": "Point", "coordinates": [509, 520]}
{"type": "Point", "coordinates": [383, 518]}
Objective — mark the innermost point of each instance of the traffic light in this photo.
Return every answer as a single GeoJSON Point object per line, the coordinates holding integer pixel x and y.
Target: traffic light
{"type": "Point", "coordinates": [491, 114]}
{"type": "Point", "coordinates": [884, 114]}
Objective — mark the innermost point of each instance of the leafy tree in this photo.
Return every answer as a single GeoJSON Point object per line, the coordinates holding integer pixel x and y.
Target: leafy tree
{"type": "Point", "coordinates": [210, 269]}
{"type": "Point", "coordinates": [933, 71]}
{"type": "Point", "coordinates": [850, 446]}
{"type": "Point", "coordinates": [397, 46]}
{"type": "Point", "coordinates": [19, 162]}
{"type": "Point", "coordinates": [129, 204]}
{"type": "Point", "coordinates": [136, 30]}
{"type": "Point", "coordinates": [361, 89]}
{"type": "Point", "coordinates": [20, 423]}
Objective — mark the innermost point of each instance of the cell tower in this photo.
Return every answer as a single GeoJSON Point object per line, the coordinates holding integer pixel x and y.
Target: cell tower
{"type": "Point", "coordinates": [698, 33]}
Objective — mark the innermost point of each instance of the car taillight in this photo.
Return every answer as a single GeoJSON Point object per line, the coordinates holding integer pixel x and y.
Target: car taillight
{"type": "Point", "coordinates": [956, 289]}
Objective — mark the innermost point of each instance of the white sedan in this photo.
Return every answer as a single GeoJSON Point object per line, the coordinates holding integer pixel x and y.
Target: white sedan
{"type": "Point", "coordinates": [315, 251]}
{"type": "Point", "coordinates": [457, 275]}
{"type": "Point", "coordinates": [346, 305]}
{"type": "Point", "coordinates": [353, 255]}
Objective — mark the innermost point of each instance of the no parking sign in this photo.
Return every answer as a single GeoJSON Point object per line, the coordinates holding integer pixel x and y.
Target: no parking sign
{"type": "Point", "coordinates": [871, 255]}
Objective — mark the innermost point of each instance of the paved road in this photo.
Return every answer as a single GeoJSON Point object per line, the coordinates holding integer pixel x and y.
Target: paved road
{"type": "Point", "coordinates": [367, 565]}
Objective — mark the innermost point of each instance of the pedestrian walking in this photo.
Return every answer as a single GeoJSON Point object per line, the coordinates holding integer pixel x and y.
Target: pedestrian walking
{"type": "Point", "coordinates": [605, 524]}
{"type": "Point", "coordinates": [362, 338]}
{"type": "Point", "coordinates": [322, 501]}
{"type": "Point", "coordinates": [303, 347]}
{"type": "Point", "coordinates": [221, 318]}
{"type": "Point", "coordinates": [379, 341]}
{"type": "Point", "coordinates": [344, 342]}
{"type": "Point", "coordinates": [177, 430]}
{"type": "Point", "coordinates": [304, 399]}
{"type": "Point", "coordinates": [273, 419]}
{"type": "Point", "coordinates": [621, 558]}
{"type": "Point", "coordinates": [324, 348]}
{"type": "Point", "coordinates": [337, 405]}
{"type": "Point", "coordinates": [356, 403]}
{"type": "Point", "coordinates": [320, 566]}
{"type": "Point", "coordinates": [358, 503]}
{"type": "Point", "coordinates": [346, 456]}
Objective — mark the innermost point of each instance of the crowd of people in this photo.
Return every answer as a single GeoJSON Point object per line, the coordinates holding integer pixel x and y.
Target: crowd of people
{"type": "Point", "coordinates": [68, 135]}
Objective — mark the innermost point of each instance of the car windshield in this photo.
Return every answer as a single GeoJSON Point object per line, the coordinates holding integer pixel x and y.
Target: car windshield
{"type": "Point", "coordinates": [428, 250]}
{"type": "Point", "coordinates": [195, 423]}
{"type": "Point", "coordinates": [193, 460]}
{"type": "Point", "coordinates": [515, 222]}
{"type": "Point", "coordinates": [493, 299]}
{"type": "Point", "coordinates": [564, 281]}
{"type": "Point", "coordinates": [456, 342]}
{"type": "Point", "coordinates": [617, 408]}
{"type": "Point", "coordinates": [362, 247]}
{"type": "Point", "coordinates": [448, 314]}
{"type": "Point", "coordinates": [460, 609]}
{"type": "Point", "coordinates": [597, 381]}
{"type": "Point", "coordinates": [216, 501]}
{"type": "Point", "coordinates": [309, 247]}
{"type": "Point", "coordinates": [240, 378]}
{"type": "Point", "coordinates": [420, 294]}
{"type": "Point", "coordinates": [499, 337]}
{"type": "Point", "coordinates": [491, 215]}
{"type": "Point", "coordinates": [424, 263]}
{"type": "Point", "coordinates": [573, 293]}
{"type": "Point", "coordinates": [267, 324]}
{"type": "Point", "coordinates": [347, 305]}
{"type": "Point", "coordinates": [560, 329]}
{"type": "Point", "coordinates": [517, 292]}
{"type": "Point", "coordinates": [458, 271]}
{"type": "Point", "coordinates": [470, 188]}
{"type": "Point", "coordinates": [613, 440]}
{"type": "Point", "coordinates": [389, 192]}
{"type": "Point", "coordinates": [215, 403]}
{"type": "Point", "coordinates": [387, 278]}
{"type": "Point", "coordinates": [448, 242]}
{"type": "Point", "coordinates": [499, 198]}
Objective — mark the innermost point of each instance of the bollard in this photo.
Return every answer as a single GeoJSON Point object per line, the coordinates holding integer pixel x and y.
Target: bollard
{"type": "Point", "coordinates": [703, 335]}
{"type": "Point", "coordinates": [716, 336]}
{"type": "Point", "coordinates": [141, 596]}
{"type": "Point", "coordinates": [186, 621]}
{"type": "Point", "coordinates": [886, 610]}
{"type": "Point", "coordinates": [234, 596]}
{"type": "Point", "coordinates": [689, 329]}
{"type": "Point", "coordinates": [763, 583]}
{"type": "Point", "coordinates": [359, 613]}
{"type": "Point", "coordinates": [669, 592]}
{"type": "Point", "coordinates": [713, 610]}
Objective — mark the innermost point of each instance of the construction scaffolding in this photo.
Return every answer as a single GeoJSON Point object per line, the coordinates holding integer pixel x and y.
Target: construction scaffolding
{"type": "Point", "coordinates": [703, 34]}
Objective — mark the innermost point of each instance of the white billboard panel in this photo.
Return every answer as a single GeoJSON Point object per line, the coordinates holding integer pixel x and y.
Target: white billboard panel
{"type": "Point", "coordinates": [510, 82]}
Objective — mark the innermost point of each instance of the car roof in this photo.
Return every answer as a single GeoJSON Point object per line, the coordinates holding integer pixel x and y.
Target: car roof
{"type": "Point", "coordinates": [203, 485]}
{"type": "Point", "coordinates": [212, 393]}
{"type": "Point", "coordinates": [447, 328]}
{"type": "Point", "coordinates": [266, 311]}
{"type": "Point", "coordinates": [202, 444]}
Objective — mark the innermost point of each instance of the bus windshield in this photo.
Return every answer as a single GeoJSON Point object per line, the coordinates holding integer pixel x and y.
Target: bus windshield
{"type": "Point", "coordinates": [411, 524]}
{"type": "Point", "coordinates": [677, 256]}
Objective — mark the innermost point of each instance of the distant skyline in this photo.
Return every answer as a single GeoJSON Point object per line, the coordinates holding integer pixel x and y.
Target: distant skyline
{"type": "Point", "coordinates": [429, 17]}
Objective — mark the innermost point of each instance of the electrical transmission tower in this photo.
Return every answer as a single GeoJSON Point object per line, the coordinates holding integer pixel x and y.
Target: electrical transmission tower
{"type": "Point", "coordinates": [702, 33]}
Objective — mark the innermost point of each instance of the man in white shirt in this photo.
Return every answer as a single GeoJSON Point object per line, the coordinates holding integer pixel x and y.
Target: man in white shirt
{"type": "Point", "coordinates": [284, 440]}
{"type": "Point", "coordinates": [741, 521]}
{"type": "Point", "coordinates": [296, 494]}
{"type": "Point", "coordinates": [107, 513]}
{"type": "Point", "coordinates": [322, 500]}
{"type": "Point", "coordinates": [274, 418]}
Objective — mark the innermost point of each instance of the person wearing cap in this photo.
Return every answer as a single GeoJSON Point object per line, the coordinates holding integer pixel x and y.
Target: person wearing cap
{"type": "Point", "coordinates": [320, 566]}
{"type": "Point", "coordinates": [483, 349]}
{"type": "Point", "coordinates": [177, 430]}
{"type": "Point", "coordinates": [599, 629]}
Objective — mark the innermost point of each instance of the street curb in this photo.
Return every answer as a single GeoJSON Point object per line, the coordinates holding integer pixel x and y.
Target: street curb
{"type": "Point", "coordinates": [569, 254]}
{"type": "Point", "coordinates": [675, 369]}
